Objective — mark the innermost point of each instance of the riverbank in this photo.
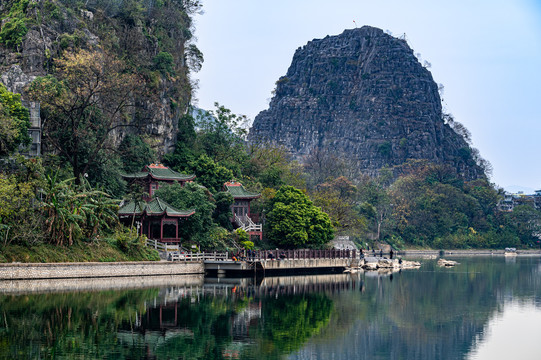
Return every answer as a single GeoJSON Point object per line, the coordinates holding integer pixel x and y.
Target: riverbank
{"type": "Point", "coordinates": [98, 251]}
{"type": "Point", "coordinates": [462, 252]}
{"type": "Point", "coordinates": [22, 271]}
{"type": "Point", "coordinates": [19, 287]}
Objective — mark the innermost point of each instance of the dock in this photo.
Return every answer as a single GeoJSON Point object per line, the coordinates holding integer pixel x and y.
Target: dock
{"type": "Point", "coordinates": [276, 262]}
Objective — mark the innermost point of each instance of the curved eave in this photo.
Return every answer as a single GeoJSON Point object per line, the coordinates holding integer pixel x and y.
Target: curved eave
{"type": "Point", "coordinates": [247, 197]}
{"type": "Point", "coordinates": [129, 176]}
{"type": "Point", "coordinates": [165, 212]}
{"type": "Point", "coordinates": [181, 215]}
{"type": "Point", "coordinates": [130, 214]}
{"type": "Point", "coordinates": [172, 179]}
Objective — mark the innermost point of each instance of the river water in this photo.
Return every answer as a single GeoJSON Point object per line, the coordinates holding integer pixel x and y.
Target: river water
{"type": "Point", "coordinates": [483, 308]}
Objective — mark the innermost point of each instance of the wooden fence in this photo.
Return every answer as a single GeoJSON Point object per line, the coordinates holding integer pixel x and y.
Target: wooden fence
{"type": "Point", "coordinates": [187, 256]}
{"type": "Point", "coordinates": [259, 255]}
{"type": "Point", "coordinates": [248, 255]}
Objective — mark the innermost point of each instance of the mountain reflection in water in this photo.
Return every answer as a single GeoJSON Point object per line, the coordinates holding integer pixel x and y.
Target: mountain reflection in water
{"type": "Point", "coordinates": [430, 313]}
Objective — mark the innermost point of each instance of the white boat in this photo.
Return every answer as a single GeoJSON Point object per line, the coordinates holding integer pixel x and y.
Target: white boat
{"type": "Point", "coordinates": [510, 252]}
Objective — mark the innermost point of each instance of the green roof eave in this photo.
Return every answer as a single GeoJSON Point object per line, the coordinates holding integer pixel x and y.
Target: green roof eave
{"type": "Point", "coordinates": [239, 192]}
{"type": "Point", "coordinates": [138, 175]}
{"type": "Point", "coordinates": [155, 207]}
{"type": "Point", "coordinates": [164, 173]}
{"type": "Point", "coordinates": [168, 174]}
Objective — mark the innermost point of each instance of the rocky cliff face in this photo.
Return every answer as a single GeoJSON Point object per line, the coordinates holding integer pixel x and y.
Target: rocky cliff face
{"type": "Point", "coordinates": [135, 31]}
{"type": "Point", "coordinates": [362, 96]}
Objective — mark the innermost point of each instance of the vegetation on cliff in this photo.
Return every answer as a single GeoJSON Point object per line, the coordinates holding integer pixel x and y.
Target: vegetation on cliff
{"type": "Point", "coordinates": [14, 122]}
{"type": "Point", "coordinates": [104, 72]}
{"type": "Point", "coordinates": [116, 69]}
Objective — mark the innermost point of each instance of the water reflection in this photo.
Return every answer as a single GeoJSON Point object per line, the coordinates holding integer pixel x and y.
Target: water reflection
{"type": "Point", "coordinates": [512, 333]}
{"type": "Point", "coordinates": [431, 313]}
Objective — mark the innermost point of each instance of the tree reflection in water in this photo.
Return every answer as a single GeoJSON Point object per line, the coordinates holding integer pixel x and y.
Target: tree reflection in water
{"type": "Point", "coordinates": [425, 314]}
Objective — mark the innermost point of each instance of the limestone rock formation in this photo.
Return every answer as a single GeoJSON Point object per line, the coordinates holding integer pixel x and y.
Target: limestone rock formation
{"type": "Point", "coordinates": [362, 96]}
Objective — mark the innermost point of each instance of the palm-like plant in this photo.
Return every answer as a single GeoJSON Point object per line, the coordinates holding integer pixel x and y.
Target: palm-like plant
{"type": "Point", "coordinates": [61, 219]}
{"type": "Point", "coordinates": [100, 210]}
{"type": "Point", "coordinates": [72, 211]}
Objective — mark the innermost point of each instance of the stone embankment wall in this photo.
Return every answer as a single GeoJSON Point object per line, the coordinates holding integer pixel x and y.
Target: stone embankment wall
{"type": "Point", "coordinates": [18, 287]}
{"type": "Point", "coordinates": [18, 271]}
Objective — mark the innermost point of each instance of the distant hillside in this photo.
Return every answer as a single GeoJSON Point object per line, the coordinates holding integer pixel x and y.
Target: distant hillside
{"type": "Point", "coordinates": [363, 96]}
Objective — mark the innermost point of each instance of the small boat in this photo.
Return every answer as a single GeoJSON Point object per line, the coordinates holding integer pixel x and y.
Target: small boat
{"type": "Point", "coordinates": [510, 252]}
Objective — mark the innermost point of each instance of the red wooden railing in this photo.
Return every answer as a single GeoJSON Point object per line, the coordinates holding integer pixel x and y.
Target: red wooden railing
{"type": "Point", "coordinates": [278, 254]}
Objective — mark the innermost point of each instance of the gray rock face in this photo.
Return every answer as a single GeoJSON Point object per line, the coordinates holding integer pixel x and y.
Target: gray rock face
{"type": "Point", "coordinates": [362, 96]}
{"type": "Point", "coordinates": [15, 79]}
{"type": "Point", "coordinates": [156, 115]}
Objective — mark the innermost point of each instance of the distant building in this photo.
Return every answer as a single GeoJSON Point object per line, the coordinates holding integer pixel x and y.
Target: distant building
{"type": "Point", "coordinates": [510, 200]}
{"type": "Point", "coordinates": [34, 131]}
{"type": "Point", "coordinates": [343, 243]}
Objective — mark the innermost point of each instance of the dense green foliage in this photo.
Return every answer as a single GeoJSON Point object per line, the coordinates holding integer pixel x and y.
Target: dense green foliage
{"type": "Point", "coordinates": [42, 216]}
{"type": "Point", "coordinates": [14, 26]}
{"type": "Point", "coordinates": [135, 153]}
{"type": "Point", "coordinates": [293, 220]}
{"type": "Point", "coordinates": [432, 207]}
{"type": "Point", "coordinates": [14, 122]}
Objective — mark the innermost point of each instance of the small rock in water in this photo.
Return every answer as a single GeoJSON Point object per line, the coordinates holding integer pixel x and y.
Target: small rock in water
{"type": "Point", "coordinates": [443, 262]}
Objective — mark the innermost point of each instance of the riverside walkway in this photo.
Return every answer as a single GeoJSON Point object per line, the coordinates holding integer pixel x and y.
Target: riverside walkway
{"type": "Point", "coordinates": [283, 261]}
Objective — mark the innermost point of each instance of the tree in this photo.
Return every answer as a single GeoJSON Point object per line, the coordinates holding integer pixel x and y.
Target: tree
{"type": "Point", "coordinates": [272, 167]}
{"type": "Point", "coordinates": [14, 122]}
{"type": "Point", "coordinates": [322, 166]}
{"type": "Point", "coordinates": [191, 196]}
{"type": "Point", "coordinates": [210, 174]}
{"type": "Point", "coordinates": [135, 153]}
{"type": "Point", "coordinates": [20, 221]}
{"type": "Point", "coordinates": [525, 221]}
{"type": "Point", "coordinates": [222, 213]}
{"type": "Point", "coordinates": [338, 199]}
{"type": "Point", "coordinates": [73, 211]}
{"type": "Point", "coordinates": [374, 203]}
{"type": "Point", "coordinates": [293, 221]}
{"type": "Point", "coordinates": [82, 104]}
{"type": "Point", "coordinates": [222, 136]}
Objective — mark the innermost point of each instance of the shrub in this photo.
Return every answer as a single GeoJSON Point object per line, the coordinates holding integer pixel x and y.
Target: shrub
{"type": "Point", "coordinates": [248, 245]}
{"type": "Point", "coordinates": [164, 63]}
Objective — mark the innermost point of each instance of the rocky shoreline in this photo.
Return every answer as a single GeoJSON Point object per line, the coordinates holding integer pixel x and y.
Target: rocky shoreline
{"type": "Point", "coordinates": [469, 252]}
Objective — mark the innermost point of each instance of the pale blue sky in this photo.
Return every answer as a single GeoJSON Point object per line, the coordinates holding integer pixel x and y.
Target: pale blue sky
{"type": "Point", "coordinates": [486, 54]}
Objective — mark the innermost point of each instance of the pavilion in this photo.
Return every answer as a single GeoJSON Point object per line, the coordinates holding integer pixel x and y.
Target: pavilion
{"type": "Point", "coordinates": [242, 215]}
{"type": "Point", "coordinates": [155, 175]}
{"type": "Point", "coordinates": [154, 217]}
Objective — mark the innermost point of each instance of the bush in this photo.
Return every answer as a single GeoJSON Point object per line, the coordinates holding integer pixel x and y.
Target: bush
{"type": "Point", "coordinates": [128, 240]}
{"type": "Point", "coordinates": [14, 25]}
{"type": "Point", "coordinates": [241, 235]}
{"type": "Point", "coordinates": [164, 63]}
{"type": "Point", "coordinates": [248, 245]}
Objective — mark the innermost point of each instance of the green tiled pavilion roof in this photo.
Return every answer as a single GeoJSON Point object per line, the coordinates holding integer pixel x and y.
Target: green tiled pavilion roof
{"type": "Point", "coordinates": [155, 207]}
{"type": "Point", "coordinates": [159, 172]}
{"type": "Point", "coordinates": [239, 192]}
